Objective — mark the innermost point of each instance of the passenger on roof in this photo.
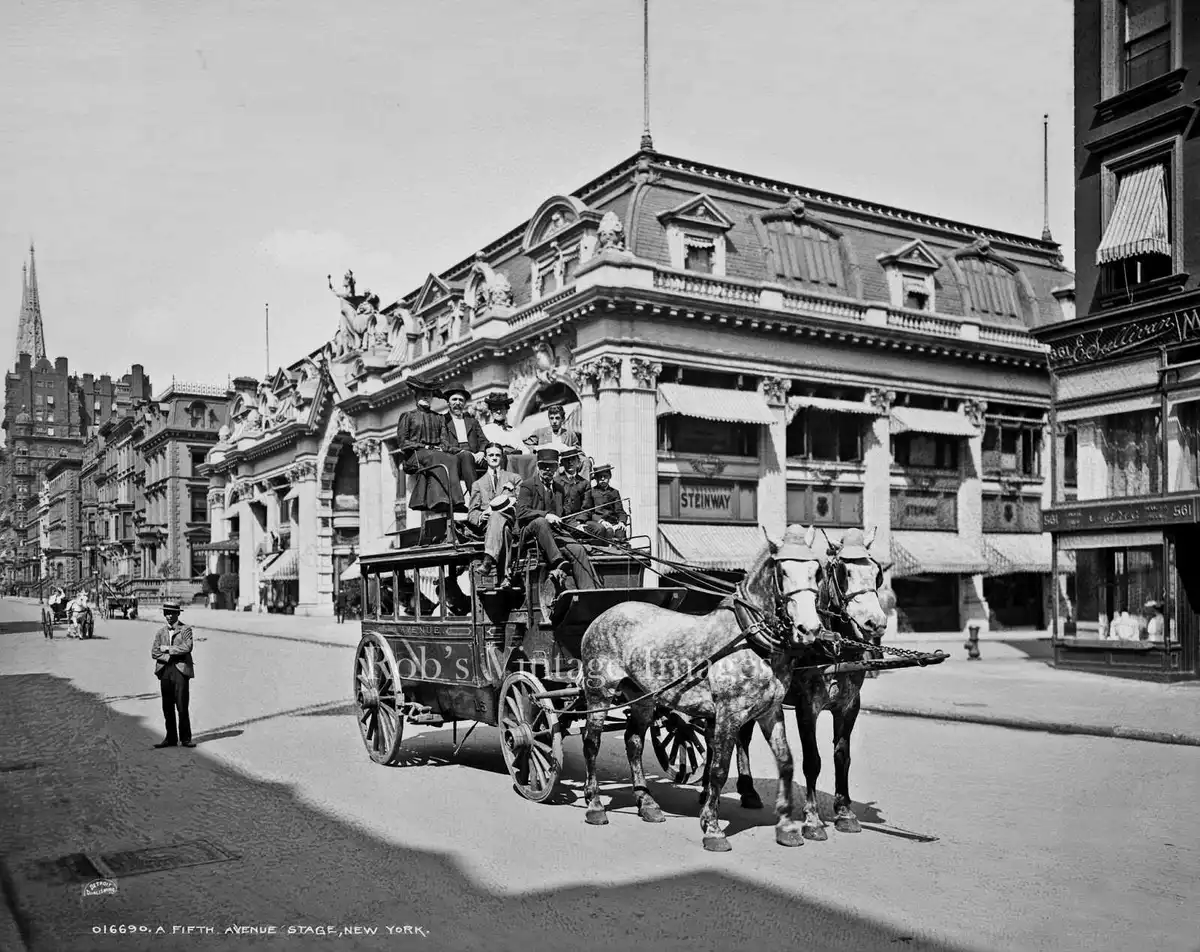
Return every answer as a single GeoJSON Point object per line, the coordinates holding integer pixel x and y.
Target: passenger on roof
{"type": "Point", "coordinates": [540, 507]}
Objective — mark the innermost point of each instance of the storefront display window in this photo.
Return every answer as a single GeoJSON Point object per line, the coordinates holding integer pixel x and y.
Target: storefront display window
{"type": "Point", "coordinates": [1120, 594]}
{"type": "Point", "coordinates": [688, 435]}
{"type": "Point", "coordinates": [1131, 445]}
{"type": "Point", "coordinates": [926, 451]}
{"type": "Point", "coordinates": [1183, 451]}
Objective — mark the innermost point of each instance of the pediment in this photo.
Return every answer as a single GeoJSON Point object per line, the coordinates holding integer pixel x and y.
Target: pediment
{"type": "Point", "coordinates": [915, 254]}
{"type": "Point", "coordinates": [700, 211]}
{"type": "Point", "coordinates": [557, 215]}
{"type": "Point", "coordinates": [432, 291]}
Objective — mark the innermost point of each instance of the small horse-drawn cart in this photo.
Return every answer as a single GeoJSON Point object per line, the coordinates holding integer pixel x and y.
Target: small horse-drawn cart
{"type": "Point", "coordinates": [57, 612]}
{"type": "Point", "coordinates": [127, 605]}
{"type": "Point", "coordinates": [438, 646]}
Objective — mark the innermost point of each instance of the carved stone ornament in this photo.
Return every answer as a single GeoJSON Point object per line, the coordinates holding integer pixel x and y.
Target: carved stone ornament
{"type": "Point", "coordinates": [241, 490]}
{"type": "Point", "coordinates": [499, 291]}
{"type": "Point", "coordinates": [1011, 485]}
{"type": "Point", "coordinates": [342, 423]}
{"type": "Point", "coordinates": [974, 410]}
{"type": "Point", "coordinates": [881, 400]}
{"type": "Point", "coordinates": [367, 450]}
{"type": "Point", "coordinates": [216, 497]}
{"type": "Point", "coordinates": [299, 472]}
{"type": "Point", "coordinates": [826, 474]}
{"type": "Point", "coordinates": [645, 372]}
{"type": "Point", "coordinates": [710, 466]}
{"type": "Point", "coordinates": [611, 233]}
{"type": "Point", "coordinates": [775, 389]}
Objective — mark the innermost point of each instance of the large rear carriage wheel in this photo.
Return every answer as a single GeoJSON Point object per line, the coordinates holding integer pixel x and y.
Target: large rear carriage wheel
{"type": "Point", "coordinates": [379, 697]}
{"type": "Point", "coordinates": [680, 746]}
{"type": "Point", "coordinates": [530, 738]}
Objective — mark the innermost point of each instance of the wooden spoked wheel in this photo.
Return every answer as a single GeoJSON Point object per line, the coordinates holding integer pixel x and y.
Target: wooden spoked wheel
{"type": "Point", "coordinates": [47, 624]}
{"type": "Point", "coordinates": [680, 746]}
{"type": "Point", "coordinates": [530, 738]}
{"type": "Point", "coordinates": [379, 698]}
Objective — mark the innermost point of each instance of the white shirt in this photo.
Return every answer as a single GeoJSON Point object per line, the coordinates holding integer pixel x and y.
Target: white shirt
{"type": "Point", "coordinates": [505, 436]}
{"type": "Point", "coordinates": [460, 427]}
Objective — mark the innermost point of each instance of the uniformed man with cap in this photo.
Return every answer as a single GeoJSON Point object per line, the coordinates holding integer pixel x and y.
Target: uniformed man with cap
{"type": "Point", "coordinates": [464, 436]}
{"type": "Point", "coordinates": [172, 654]}
{"type": "Point", "coordinates": [573, 482]}
{"type": "Point", "coordinates": [540, 506]}
{"type": "Point", "coordinates": [602, 507]}
{"type": "Point", "coordinates": [421, 434]}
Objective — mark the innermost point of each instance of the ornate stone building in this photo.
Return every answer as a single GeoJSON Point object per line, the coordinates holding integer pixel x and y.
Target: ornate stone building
{"type": "Point", "coordinates": [744, 352]}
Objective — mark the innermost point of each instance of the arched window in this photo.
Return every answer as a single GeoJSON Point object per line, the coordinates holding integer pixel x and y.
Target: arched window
{"type": "Point", "coordinates": [802, 247]}
{"type": "Point", "coordinates": [993, 285]}
{"type": "Point", "coordinates": [196, 411]}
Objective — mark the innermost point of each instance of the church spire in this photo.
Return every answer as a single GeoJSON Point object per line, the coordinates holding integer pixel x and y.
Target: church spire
{"type": "Point", "coordinates": [31, 339]}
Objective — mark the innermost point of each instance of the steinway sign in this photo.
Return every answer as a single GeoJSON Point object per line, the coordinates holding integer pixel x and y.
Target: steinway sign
{"type": "Point", "coordinates": [1109, 515]}
{"type": "Point", "coordinates": [1141, 334]}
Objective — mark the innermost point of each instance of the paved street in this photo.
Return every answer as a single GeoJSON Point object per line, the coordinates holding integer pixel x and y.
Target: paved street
{"type": "Point", "coordinates": [976, 838]}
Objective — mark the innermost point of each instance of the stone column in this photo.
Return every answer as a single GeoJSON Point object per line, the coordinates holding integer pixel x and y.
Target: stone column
{"type": "Point", "coordinates": [877, 486]}
{"type": "Point", "coordinates": [370, 495]}
{"type": "Point", "coordinates": [248, 538]}
{"type": "Point", "coordinates": [388, 471]}
{"type": "Point", "coordinates": [607, 438]}
{"type": "Point", "coordinates": [973, 606]}
{"type": "Point", "coordinates": [588, 376]}
{"type": "Point", "coordinates": [636, 461]}
{"type": "Point", "coordinates": [218, 527]}
{"type": "Point", "coordinates": [772, 479]}
{"type": "Point", "coordinates": [307, 538]}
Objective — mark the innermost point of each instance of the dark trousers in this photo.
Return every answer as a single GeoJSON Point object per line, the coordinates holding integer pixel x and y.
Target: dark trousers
{"type": "Point", "coordinates": [556, 550]}
{"type": "Point", "coordinates": [175, 691]}
{"type": "Point", "coordinates": [467, 468]}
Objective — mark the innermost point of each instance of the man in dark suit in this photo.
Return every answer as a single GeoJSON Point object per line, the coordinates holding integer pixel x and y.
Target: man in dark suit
{"type": "Point", "coordinates": [573, 483]}
{"type": "Point", "coordinates": [172, 654]}
{"type": "Point", "coordinates": [464, 436]}
{"type": "Point", "coordinates": [493, 505]}
{"type": "Point", "coordinates": [540, 508]}
{"type": "Point", "coordinates": [602, 507]}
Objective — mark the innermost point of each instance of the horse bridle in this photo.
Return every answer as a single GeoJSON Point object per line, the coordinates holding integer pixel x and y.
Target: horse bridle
{"type": "Point", "coordinates": [834, 581]}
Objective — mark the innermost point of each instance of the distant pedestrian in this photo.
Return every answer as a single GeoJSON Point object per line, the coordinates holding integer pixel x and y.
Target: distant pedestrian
{"type": "Point", "coordinates": [172, 653]}
{"type": "Point", "coordinates": [340, 605]}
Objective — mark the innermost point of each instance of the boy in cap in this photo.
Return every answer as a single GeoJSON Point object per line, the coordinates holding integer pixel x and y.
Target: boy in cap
{"type": "Point", "coordinates": [540, 508]}
{"type": "Point", "coordinates": [421, 435]}
{"type": "Point", "coordinates": [172, 654]}
{"type": "Point", "coordinates": [464, 436]}
{"type": "Point", "coordinates": [602, 507]}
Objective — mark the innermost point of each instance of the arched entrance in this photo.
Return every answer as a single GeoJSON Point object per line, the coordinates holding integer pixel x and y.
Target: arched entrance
{"type": "Point", "coordinates": [533, 414]}
{"type": "Point", "coordinates": [341, 481]}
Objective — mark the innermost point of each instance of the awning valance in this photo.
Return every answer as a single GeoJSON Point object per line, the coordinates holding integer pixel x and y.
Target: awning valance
{"type": "Point", "coordinates": [1142, 402]}
{"type": "Point", "coordinates": [712, 403]}
{"type": "Point", "coordinates": [1009, 553]}
{"type": "Point", "coordinates": [940, 422]}
{"type": "Point", "coordinates": [711, 547]}
{"type": "Point", "coordinates": [353, 571]}
{"type": "Point", "coordinates": [286, 568]}
{"type": "Point", "coordinates": [1138, 224]}
{"type": "Point", "coordinates": [934, 553]}
{"type": "Point", "coordinates": [827, 403]}
{"type": "Point", "coordinates": [225, 545]}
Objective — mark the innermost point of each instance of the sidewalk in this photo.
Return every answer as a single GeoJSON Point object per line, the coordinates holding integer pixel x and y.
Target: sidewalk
{"type": "Point", "coordinates": [1010, 686]}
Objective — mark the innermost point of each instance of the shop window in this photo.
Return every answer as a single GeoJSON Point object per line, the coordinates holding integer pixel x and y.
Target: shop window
{"type": "Point", "coordinates": [1131, 444]}
{"type": "Point", "coordinates": [1112, 587]}
{"type": "Point", "coordinates": [710, 437]}
{"type": "Point", "coordinates": [1184, 452]}
{"type": "Point", "coordinates": [1145, 40]}
{"type": "Point", "coordinates": [926, 451]}
{"type": "Point", "coordinates": [1011, 451]}
{"type": "Point", "coordinates": [1069, 444]}
{"type": "Point", "coordinates": [825, 435]}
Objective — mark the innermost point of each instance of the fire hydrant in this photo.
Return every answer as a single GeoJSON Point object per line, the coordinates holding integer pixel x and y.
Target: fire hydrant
{"type": "Point", "coordinates": [972, 643]}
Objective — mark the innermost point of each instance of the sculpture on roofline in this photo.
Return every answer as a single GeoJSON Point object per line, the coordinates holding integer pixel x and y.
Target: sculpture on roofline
{"type": "Point", "coordinates": [359, 313]}
{"type": "Point", "coordinates": [611, 233]}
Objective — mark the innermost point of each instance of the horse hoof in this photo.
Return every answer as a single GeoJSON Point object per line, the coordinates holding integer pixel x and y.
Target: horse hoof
{"type": "Point", "coordinates": [846, 824]}
{"type": "Point", "coordinates": [815, 833]}
{"type": "Point", "coordinates": [717, 844]}
{"type": "Point", "coordinates": [652, 813]}
{"type": "Point", "coordinates": [596, 817]}
{"type": "Point", "coordinates": [788, 836]}
{"type": "Point", "coordinates": [751, 800]}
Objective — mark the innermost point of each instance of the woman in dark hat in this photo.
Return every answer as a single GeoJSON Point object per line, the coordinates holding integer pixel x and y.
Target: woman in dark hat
{"type": "Point", "coordinates": [421, 435]}
{"type": "Point", "coordinates": [464, 436]}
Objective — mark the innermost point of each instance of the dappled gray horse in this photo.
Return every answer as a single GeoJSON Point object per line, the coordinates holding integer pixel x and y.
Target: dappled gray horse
{"type": "Point", "coordinates": [851, 606]}
{"type": "Point", "coordinates": [750, 639]}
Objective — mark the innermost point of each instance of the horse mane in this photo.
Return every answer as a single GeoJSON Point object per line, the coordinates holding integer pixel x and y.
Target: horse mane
{"type": "Point", "coordinates": [756, 579]}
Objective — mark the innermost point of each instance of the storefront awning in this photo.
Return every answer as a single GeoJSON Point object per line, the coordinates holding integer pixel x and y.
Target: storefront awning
{"type": "Point", "coordinates": [1009, 553]}
{"type": "Point", "coordinates": [826, 403]}
{"type": "Point", "coordinates": [286, 568]}
{"type": "Point", "coordinates": [712, 403]}
{"type": "Point", "coordinates": [225, 545]}
{"type": "Point", "coordinates": [353, 571]}
{"type": "Point", "coordinates": [1094, 411]}
{"type": "Point", "coordinates": [711, 547]}
{"type": "Point", "coordinates": [1138, 224]}
{"type": "Point", "coordinates": [934, 553]}
{"type": "Point", "coordinates": [940, 422]}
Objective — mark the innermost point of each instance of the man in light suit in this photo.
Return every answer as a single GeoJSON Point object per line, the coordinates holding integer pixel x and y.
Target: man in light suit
{"type": "Point", "coordinates": [172, 654]}
{"type": "Point", "coordinates": [493, 505]}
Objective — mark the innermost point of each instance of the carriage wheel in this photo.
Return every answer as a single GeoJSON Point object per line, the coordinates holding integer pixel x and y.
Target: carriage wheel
{"type": "Point", "coordinates": [530, 738]}
{"type": "Point", "coordinates": [380, 699]}
{"type": "Point", "coordinates": [679, 745]}
{"type": "Point", "coordinates": [47, 624]}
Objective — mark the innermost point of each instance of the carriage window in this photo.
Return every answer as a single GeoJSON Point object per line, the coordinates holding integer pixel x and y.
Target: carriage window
{"type": "Point", "coordinates": [387, 597]}
{"type": "Point", "coordinates": [429, 597]}
{"type": "Point", "coordinates": [371, 596]}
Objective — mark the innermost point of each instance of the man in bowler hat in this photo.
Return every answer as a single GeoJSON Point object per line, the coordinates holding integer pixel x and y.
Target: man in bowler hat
{"type": "Point", "coordinates": [540, 507]}
{"type": "Point", "coordinates": [464, 436]}
{"type": "Point", "coordinates": [172, 654]}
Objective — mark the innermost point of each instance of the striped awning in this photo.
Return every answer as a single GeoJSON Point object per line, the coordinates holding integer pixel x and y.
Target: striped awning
{"type": "Point", "coordinates": [934, 553]}
{"type": "Point", "coordinates": [225, 545]}
{"type": "Point", "coordinates": [352, 571]}
{"type": "Point", "coordinates": [826, 403]}
{"type": "Point", "coordinates": [286, 568]}
{"type": "Point", "coordinates": [1138, 224]}
{"type": "Point", "coordinates": [712, 403]}
{"type": "Point", "coordinates": [710, 547]}
{"type": "Point", "coordinates": [940, 422]}
{"type": "Point", "coordinates": [1010, 553]}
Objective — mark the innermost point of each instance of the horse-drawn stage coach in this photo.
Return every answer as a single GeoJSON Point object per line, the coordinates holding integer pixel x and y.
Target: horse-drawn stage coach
{"type": "Point", "coordinates": [693, 660]}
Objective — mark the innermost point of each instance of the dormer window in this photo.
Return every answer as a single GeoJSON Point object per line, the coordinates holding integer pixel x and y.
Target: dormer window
{"type": "Point", "coordinates": [560, 237]}
{"type": "Point", "coordinates": [910, 272]}
{"type": "Point", "coordinates": [993, 286]}
{"type": "Point", "coordinates": [696, 235]}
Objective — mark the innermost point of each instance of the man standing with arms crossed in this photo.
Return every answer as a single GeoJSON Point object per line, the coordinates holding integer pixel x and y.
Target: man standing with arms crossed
{"type": "Point", "coordinates": [172, 653]}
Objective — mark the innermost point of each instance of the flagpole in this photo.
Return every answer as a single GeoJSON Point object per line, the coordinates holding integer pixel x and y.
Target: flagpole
{"type": "Point", "coordinates": [647, 142]}
{"type": "Point", "coordinates": [268, 333]}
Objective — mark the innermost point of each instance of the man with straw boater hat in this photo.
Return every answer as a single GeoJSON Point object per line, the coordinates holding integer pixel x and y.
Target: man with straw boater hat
{"type": "Point", "coordinates": [172, 654]}
{"type": "Point", "coordinates": [540, 509]}
{"type": "Point", "coordinates": [493, 506]}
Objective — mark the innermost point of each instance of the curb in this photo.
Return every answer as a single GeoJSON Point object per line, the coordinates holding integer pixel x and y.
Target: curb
{"type": "Point", "coordinates": [14, 926]}
{"type": "Point", "coordinates": [1044, 727]}
{"type": "Point", "coordinates": [255, 634]}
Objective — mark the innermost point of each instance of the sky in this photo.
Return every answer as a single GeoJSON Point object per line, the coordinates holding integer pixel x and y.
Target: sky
{"type": "Point", "coordinates": [179, 165]}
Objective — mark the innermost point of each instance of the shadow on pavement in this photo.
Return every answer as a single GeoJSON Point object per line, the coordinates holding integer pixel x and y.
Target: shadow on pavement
{"type": "Point", "coordinates": [19, 627]}
{"type": "Point", "coordinates": [97, 788]}
{"type": "Point", "coordinates": [1039, 650]}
